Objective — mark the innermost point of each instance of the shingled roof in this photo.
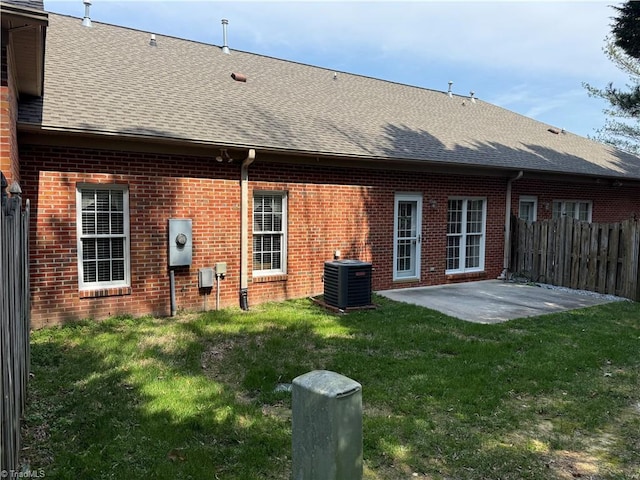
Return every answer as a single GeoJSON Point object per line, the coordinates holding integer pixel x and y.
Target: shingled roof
{"type": "Point", "coordinates": [34, 4]}
{"type": "Point", "coordinates": [109, 80]}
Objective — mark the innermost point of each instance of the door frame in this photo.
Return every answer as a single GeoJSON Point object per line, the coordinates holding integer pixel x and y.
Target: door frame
{"type": "Point", "coordinates": [407, 197]}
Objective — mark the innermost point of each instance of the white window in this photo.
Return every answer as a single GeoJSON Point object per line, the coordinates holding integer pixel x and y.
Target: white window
{"type": "Point", "coordinates": [103, 236]}
{"type": "Point", "coordinates": [578, 209]}
{"type": "Point", "coordinates": [269, 233]}
{"type": "Point", "coordinates": [528, 208]}
{"type": "Point", "coordinates": [466, 235]}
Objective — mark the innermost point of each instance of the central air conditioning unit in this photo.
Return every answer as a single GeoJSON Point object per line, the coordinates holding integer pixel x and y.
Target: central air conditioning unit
{"type": "Point", "coordinates": [347, 283]}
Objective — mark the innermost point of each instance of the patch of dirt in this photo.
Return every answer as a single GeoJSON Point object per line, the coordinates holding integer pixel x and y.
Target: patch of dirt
{"type": "Point", "coordinates": [569, 465]}
{"type": "Point", "coordinates": [279, 411]}
{"type": "Point", "coordinates": [214, 357]}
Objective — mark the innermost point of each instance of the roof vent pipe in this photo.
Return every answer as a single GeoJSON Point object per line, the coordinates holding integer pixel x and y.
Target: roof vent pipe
{"type": "Point", "coordinates": [86, 21]}
{"type": "Point", "coordinates": [473, 98]}
{"type": "Point", "coordinates": [449, 92]}
{"type": "Point", "coordinates": [225, 47]}
{"type": "Point", "coordinates": [152, 40]}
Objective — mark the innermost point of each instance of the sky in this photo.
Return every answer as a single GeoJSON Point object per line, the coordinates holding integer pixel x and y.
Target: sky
{"type": "Point", "coordinates": [530, 57]}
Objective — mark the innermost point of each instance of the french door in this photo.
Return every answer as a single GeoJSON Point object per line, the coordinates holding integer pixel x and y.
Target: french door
{"type": "Point", "coordinates": [407, 236]}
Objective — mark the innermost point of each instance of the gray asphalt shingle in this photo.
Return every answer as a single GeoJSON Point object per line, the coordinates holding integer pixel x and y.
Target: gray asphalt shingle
{"type": "Point", "coordinates": [35, 4]}
{"type": "Point", "coordinates": [109, 80]}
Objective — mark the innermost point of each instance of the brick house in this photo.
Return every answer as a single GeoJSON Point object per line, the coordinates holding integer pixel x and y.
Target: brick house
{"type": "Point", "coordinates": [111, 132]}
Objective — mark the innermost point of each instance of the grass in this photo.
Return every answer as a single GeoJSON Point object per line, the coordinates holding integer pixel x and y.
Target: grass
{"type": "Point", "coordinates": [552, 397]}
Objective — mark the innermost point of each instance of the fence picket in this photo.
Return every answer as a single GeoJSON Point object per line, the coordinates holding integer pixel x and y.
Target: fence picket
{"type": "Point", "coordinates": [603, 248]}
{"type": "Point", "coordinates": [612, 260]}
{"type": "Point", "coordinates": [566, 251]}
{"type": "Point", "coordinates": [575, 255]}
{"type": "Point", "coordinates": [584, 256]}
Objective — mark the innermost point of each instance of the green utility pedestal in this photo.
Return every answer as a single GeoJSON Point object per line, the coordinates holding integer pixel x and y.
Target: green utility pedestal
{"type": "Point", "coordinates": [326, 427]}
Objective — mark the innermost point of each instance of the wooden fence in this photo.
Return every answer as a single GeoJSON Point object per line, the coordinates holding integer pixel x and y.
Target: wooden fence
{"type": "Point", "coordinates": [14, 324]}
{"type": "Point", "coordinates": [600, 257]}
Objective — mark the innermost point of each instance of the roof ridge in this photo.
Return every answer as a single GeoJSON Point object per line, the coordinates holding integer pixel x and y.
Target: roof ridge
{"type": "Point", "coordinates": [262, 55]}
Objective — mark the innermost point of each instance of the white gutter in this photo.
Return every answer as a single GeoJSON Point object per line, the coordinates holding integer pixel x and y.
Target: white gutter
{"type": "Point", "coordinates": [507, 228]}
{"type": "Point", "coordinates": [244, 227]}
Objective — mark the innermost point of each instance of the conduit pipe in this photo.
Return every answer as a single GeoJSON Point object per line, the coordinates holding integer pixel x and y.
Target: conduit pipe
{"type": "Point", "coordinates": [507, 228]}
{"type": "Point", "coordinates": [244, 228]}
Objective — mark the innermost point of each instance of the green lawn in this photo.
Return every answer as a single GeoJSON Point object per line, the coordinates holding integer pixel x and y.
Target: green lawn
{"type": "Point", "coordinates": [552, 397]}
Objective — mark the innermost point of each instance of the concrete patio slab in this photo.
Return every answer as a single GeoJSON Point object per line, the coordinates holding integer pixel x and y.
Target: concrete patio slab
{"type": "Point", "coordinates": [494, 301]}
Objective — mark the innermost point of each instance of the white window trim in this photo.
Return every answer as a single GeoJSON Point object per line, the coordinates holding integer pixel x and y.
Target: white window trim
{"type": "Point", "coordinates": [89, 286]}
{"type": "Point", "coordinates": [528, 198]}
{"type": "Point", "coordinates": [463, 236]}
{"type": "Point", "coordinates": [564, 201]}
{"type": "Point", "coordinates": [285, 221]}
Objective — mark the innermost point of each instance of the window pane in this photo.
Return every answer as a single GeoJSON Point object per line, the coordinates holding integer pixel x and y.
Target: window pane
{"type": "Point", "coordinates": [266, 243]}
{"type": "Point", "coordinates": [453, 252]}
{"type": "Point", "coordinates": [118, 270]}
{"type": "Point", "coordinates": [454, 223]}
{"type": "Point", "coordinates": [117, 223]}
{"type": "Point", "coordinates": [404, 255]}
{"type": "Point", "coordinates": [102, 200]}
{"type": "Point", "coordinates": [258, 222]}
{"type": "Point", "coordinates": [103, 224]}
{"type": "Point", "coordinates": [104, 271]}
{"type": "Point", "coordinates": [472, 255]}
{"type": "Point", "coordinates": [88, 249]}
{"type": "Point", "coordinates": [583, 213]}
{"type": "Point", "coordinates": [526, 211]}
{"type": "Point", "coordinates": [88, 223]}
{"type": "Point", "coordinates": [277, 222]}
{"type": "Point", "coordinates": [89, 272]}
{"type": "Point", "coordinates": [276, 203]}
{"type": "Point", "coordinates": [267, 223]}
{"type": "Point", "coordinates": [257, 261]}
{"type": "Point", "coordinates": [474, 217]}
{"type": "Point", "coordinates": [104, 249]}
{"type": "Point", "coordinates": [117, 201]}
{"type": "Point", "coordinates": [88, 201]}
{"type": "Point", "coordinates": [406, 220]}
{"type": "Point", "coordinates": [475, 205]}
{"type": "Point", "coordinates": [570, 209]}
{"type": "Point", "coordinates": [117, 248]}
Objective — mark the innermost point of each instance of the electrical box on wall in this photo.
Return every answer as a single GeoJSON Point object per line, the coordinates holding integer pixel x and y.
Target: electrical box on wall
{"type": "Point", "coordinates": [205, 278]}
{"type": "Point", "coordinates": [180, 242]}
{"type": "Point", "coordinates": [221, 269]}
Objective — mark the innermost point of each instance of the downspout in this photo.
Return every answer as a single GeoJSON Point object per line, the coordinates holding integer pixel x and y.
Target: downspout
{"type": "Point", "coordinates": [507, 228]}
{"type": "Point", "coordinates": [244, 228]}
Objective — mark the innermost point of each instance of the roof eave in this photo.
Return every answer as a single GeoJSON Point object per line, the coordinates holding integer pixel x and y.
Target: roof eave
{"type": "Point", "coordinates": [142, 142]}
{"type": "Point", "coordinates": [26, 31]}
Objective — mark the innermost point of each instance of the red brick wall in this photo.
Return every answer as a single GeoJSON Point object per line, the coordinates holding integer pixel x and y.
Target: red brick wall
{"type": "Point", "coordinates": [610, 203]}
{"type": "Point", "coordinates": [353, 213]}
{"type": "Point", "coordinates": [8, 115]}
{"type": "Point", "coordinates": [160, 187]}
{"type": "Point", "coordinates": [329, 209]}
